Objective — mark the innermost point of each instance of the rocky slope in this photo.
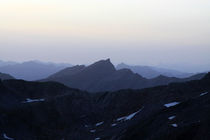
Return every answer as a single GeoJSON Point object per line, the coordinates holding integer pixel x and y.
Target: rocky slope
{"type": "Point", "coordinates": [52, 111]}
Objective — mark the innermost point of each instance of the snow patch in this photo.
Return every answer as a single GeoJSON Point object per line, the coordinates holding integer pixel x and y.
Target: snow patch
{"type": "Point", "coordinates": [203, 93]}
{"type": "Point", "coordinates": [92, 131]}
{"type": "Point", "coordinates": [28, 100]}
{"type": "Point", "coordinates": [174, 125]}
{"type": "Point", "coordinates": [172, 117]}
{"type": "Point", "coordinates": [129, 117]}
{"type": "Point", "coordinates": [86, 126]}
{"type": "Point", "coordinates": [171, 104]}
{"type": "Point", "coordinates": [114, 124]}
{"type": "Point", "coordinates": [6, 137]}
{"type": "Point", "coordinates": [100, 123]}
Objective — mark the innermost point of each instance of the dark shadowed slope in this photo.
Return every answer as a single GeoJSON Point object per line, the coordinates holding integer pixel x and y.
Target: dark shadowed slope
{"type": "Point", "coordinates": [32, 70]}
{"type": "Point", "coordinates": [102, 76]}
{"type": "Point", "coordinates": [51, 111]}
{"type": "Point", "coordinates": [152, 72]}
{"type": "Point", "coordinates": [4, 76]}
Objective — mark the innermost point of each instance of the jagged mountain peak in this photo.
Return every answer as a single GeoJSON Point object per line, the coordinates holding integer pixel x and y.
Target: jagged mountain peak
{"type": "Point", "coordinates": [102, 76]}
{"type": "Point", "coordinates": [102, 65]}
{"type": "Point", "coordinates": [102, 62]}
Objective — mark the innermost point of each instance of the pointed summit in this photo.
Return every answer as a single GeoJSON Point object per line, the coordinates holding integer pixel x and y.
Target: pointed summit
{"type": "Point", "coordinates": [103, 62]}
{"type": "Point", "coordinates": [102, 66]}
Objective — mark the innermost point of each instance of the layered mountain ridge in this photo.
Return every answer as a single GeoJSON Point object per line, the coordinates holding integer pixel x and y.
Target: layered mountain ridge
{"type": "Point", "coordinates": [31, 70]}
{"type": "Point", "coordinates": [102, 76]}
{"type": "Point", "coordinates": [150, 72]}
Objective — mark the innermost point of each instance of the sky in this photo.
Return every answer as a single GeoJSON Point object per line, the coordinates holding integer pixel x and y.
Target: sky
{"type": "Point", "coordinates": [166, 33]}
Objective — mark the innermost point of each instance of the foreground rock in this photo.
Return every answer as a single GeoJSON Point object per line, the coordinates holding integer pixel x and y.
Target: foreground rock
{"type": "Point", "coordinates": [55, 112]}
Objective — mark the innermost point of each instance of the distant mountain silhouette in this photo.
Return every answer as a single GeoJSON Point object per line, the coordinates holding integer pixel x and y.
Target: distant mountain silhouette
{"type": "Point", "coordinates": [32, 70]}
{"type": "Point", "coordinates": [152, 72]}
{"type": "Point", "coordinates": [99, 76]}
{"type": "Point", "coordinates": [6, 63]}
{"type": "Point", "coordinates": [4, 76]}
{"type": "Point", "coordinates": [102, 76]}
{"type": "Point", "coordinates": [164, 80]}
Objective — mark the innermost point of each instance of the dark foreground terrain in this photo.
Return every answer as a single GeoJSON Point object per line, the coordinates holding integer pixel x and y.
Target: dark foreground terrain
{"type": "Point", "coordinates": [52, 111]}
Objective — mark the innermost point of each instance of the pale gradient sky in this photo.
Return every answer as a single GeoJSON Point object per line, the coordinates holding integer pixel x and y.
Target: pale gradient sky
{"type": "Point", "coordinates": [169, 33]}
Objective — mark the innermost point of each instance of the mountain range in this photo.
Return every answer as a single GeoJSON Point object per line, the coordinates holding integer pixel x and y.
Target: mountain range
{"type": "Point", "coordinates": [152, 72]}
{"type": "Point", "coordinates": [52, 111]}
{"type": "Point", "coordinates": [31, 70]}
{"type": "Point", "coordinates": [103, 76]}
{"type": "Point", "coordinates": [6, 63]}
{"type": "Point", "coordinates": [35, 70]}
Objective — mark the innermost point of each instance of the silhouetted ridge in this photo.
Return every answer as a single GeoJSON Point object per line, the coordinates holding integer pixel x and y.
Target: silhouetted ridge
{"type": "Point", "coordinates": [102, 76]}
{"type": "Point", "coordinates": [32, 70]}
{"type": "Point", "coordinates": [102, 66]}
{"type": "Point", "coordinates": [4, 76]}
{"type": "Point", "coordinates": [68, 71]}
{"type": "Point", "coordinates": [196, 76]}
{"type": "Point", "coordinates": [161, 77]}
{"type": "Point", "coordinates": [152, 72]}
